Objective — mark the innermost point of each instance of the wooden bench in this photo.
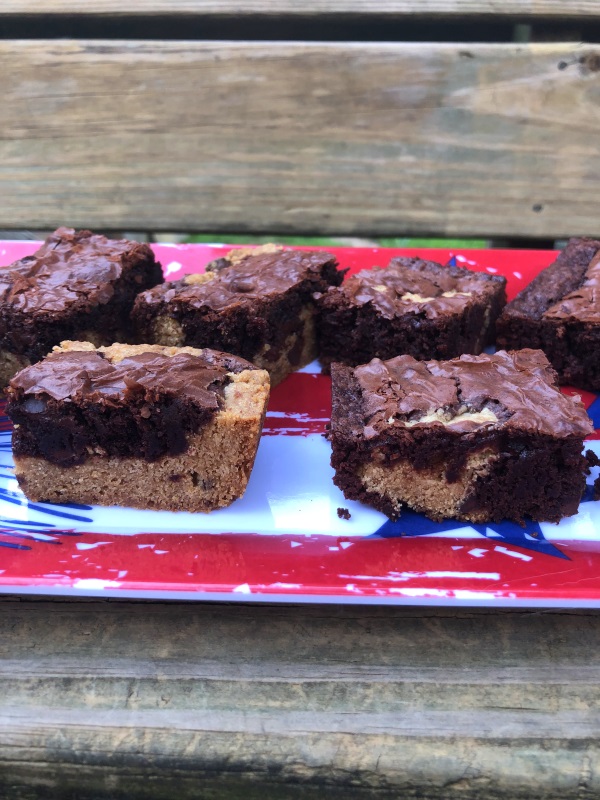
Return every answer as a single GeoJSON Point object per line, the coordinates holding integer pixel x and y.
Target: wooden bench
{"type": "Point", "coordinates": [343, 117]}
{"type": "Point", "coordinates": [343, 137]}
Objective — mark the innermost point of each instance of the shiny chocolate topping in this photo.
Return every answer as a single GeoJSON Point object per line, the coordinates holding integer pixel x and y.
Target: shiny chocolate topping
{"type": "Point", "coordinates": [255, 277]}
{"type": "Point", "coordinates": [562, 280]}
{"type": "Point", "coordinates": [515, 390]}
{"type": "Point", "coordinates": [86, 376]}
{"type": "Point", "coordinates": [71, 268]}
{"type": "Point", "coordinates": [77, 404]}
{"type": "Point", "coordinates": [411, 285]}
{"type": "Point", "coordinates": [583, 303]}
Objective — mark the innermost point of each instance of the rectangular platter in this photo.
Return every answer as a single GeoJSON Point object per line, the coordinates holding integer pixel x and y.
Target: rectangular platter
{"type": "Point", "coordinates": [284, 541]}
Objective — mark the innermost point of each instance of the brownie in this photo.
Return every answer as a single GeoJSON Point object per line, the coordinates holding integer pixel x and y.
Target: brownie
{"type": "Point", "coordinates": [257, 303]}
{"type": "Point", "coordinates": [141, 425]}
{"type": "Point", "coordinates": [412, 307]}
{"type": "Point", "coordinates": [478, 438]}
{"type": "Point", "coordinates": [78, 285]}
{"type": "Point", "coordinates": [559, 312]}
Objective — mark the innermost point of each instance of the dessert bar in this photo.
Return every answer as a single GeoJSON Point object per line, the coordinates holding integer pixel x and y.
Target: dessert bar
{"type": "Point", "coordinates": [478, 438]}
{"type": "Point", "coordinates": [137, 425]}
{"type": "Point", "coordinates": [559, 312]}
{"type": "Point", "coordinates": [256, 302]}
{"type": "Point", "coordinates": [412, 307]}
{"type": "Point", "coordinates": [78, 285]}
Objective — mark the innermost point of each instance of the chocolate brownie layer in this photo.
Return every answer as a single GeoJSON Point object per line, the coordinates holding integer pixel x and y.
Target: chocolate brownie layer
{"type": "Point", "coordinates": [145, 426]}
{"type": "Point", "coordinates": [78, 284]}
{"type": "Point", "coordinates": [477, 438]}
{"type": "Point", "coordinates": [75, 403]}
{"type": "Point", "coordinates": [257, 304]}
{"type": "Point", "coordinates": [559, 312]}
{"type": "Point", "coordinates": [413, 306]}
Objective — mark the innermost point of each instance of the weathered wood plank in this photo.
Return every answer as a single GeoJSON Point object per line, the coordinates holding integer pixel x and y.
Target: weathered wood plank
{"type": "Point", "coordinates": [153, 685]}
{"type": "Point", "coordinates": [291, 137]}
{"type": "Point", "coordinates": [160, 701]}
{"type": "Point", "coordinates": [519, 8]}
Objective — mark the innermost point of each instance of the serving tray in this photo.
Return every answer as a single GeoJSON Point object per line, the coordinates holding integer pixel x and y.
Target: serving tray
{"type": "Point", "coordinates": [284, 540]}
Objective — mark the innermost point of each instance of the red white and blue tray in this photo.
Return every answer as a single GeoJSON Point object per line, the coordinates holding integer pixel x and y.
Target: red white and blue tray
{"type": "Point", "coordinates": [284, 541]}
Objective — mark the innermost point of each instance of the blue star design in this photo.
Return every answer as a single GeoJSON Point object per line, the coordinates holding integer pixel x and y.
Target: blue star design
{"type": "Point", "coordinates": [529, 538]}
{"type": "Point", "coordinates": [594, 413]}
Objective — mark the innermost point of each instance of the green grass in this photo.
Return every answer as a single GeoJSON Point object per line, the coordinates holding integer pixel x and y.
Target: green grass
{"type": "Point", "coordinates": [478, 244]}
{"type": "Point", "coordinates": [227, 238]}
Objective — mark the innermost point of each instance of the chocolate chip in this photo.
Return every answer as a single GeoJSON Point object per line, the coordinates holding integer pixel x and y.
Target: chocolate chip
{"type": "Point", "coordinates": [242, 285]}
{"type": "Point", "coordinates": [217, 265]}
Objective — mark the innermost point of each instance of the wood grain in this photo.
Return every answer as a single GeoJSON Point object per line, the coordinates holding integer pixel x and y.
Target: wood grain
{"type": "Point", "coordinates": [290, 137]}
{"type": "Point", "coordinates": [519, 8]}
{"type": "Point", "coordinates": [161, 701]}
